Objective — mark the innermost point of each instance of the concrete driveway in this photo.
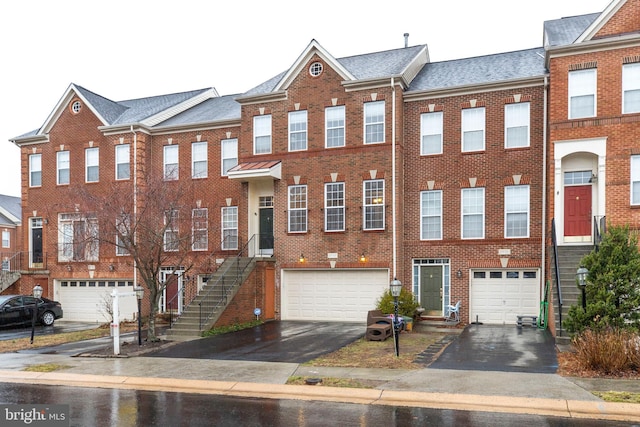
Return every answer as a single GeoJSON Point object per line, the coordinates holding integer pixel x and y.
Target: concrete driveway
{"type": "Point", "coordinates": [278, 341]}
{"type": "Point", "coordinates": [500, 348]}
{"type": "Point", "coordinates": [58, 327]}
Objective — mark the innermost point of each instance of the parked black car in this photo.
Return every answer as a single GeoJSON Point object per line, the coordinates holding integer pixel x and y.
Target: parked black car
{"type": "Point", "coordinates": [17, 310]}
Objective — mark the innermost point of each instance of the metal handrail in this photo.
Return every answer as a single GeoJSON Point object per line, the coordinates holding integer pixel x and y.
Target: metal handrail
{"type": "Point", "coordinates": [21, 261]}
{"type": "Point", "coordinates": [554, 240]}
{"type": "Point", "coordinates": [222, 281]}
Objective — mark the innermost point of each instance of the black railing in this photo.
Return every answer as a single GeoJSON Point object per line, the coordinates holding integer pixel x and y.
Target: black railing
{"type": "Point", "coordinates": [554, 240]}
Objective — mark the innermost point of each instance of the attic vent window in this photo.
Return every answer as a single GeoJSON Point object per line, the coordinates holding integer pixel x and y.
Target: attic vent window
{"type": "Point", "coordinates": [315, 69]}
{"type": "Point", "coordinates": [75, 107]}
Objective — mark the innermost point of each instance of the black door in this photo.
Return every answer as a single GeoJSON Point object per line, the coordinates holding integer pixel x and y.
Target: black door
{"type": "Point", "coordinates": [36, 245]}
{"type": "Point", "coordinates": [266, 230]}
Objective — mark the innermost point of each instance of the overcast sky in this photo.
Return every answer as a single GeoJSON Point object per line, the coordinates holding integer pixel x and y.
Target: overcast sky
{"type": "Point", "coordinates": [138, 48]}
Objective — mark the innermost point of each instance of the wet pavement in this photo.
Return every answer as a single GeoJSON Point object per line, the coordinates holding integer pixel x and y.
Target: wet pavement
{"type": "Point", "coordinates": [500, 348]}
{"type": "Point", "coordinates": [60, 326]}
{"type": "Point", "coordinates": [283, 341]}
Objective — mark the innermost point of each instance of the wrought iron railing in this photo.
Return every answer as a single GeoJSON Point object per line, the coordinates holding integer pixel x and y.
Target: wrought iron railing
{"type": "Point", "coordinates": [23, 261]}
{"type": "Point", "coordinates": [554, 240]}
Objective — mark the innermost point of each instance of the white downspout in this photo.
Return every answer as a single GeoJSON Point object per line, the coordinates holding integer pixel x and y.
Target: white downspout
{"type": "Point", "coordinates": [135, 201]}
{"type": "Point", "coordinates": [544, 184]}
{"type": "Point", "coordinates": [393, 177]}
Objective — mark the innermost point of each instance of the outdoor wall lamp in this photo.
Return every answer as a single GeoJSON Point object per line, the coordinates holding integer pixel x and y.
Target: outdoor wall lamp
{"type": "Point", "coordinates": [301, 259]}
{"type": "Point", "coordinates": [363, 258]}
{"type": "Point", "coordinates": [459, 274]}
{"type": "Point", "coordinates": [68, 267]}
{"type": "Point", "coordinates": [112, 267]}
{"type": "Point", "coordinates": [581, 275]}
{"type": "Point", "coordinates": [396, 287]}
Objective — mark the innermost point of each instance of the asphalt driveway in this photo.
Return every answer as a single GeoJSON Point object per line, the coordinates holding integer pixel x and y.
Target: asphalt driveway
{"type": "Point", "coordinates": [500, 348]}
{"type": "Point", "coordinates": [278, 341]}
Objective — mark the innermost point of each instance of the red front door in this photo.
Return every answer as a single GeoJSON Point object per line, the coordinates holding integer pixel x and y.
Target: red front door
{"type": "Point", "coordinates": [577, 210]}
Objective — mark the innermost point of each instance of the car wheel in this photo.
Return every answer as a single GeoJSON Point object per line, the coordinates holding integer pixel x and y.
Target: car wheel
{"type": "Point", "coordinates": [48, 318]}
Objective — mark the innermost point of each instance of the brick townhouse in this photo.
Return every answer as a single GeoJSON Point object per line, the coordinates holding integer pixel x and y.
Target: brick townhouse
{"type": "Point", "coordinates": [340, 174]}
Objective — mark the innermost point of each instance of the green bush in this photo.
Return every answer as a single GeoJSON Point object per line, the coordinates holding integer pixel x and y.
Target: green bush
{"type": "Point", "coordinates": [406, 303]}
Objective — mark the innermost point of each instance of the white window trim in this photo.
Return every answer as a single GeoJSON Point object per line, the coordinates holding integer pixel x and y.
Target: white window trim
{"type": "Point", "coordinates": [225, 228]}
{"type": "Point", "coordinates": [366, 124]}
{"type": "Point", "coordinates": [171, 237]}
{"type": "Point", "coordinates": [200, 226]}
{"type": "Point", "coordinates": [59, 163]}
{"type": "Point", "coordinates": [197, 160]}
{"type": "Point", "coordinates": [6, 239]}
{"type": "Point", "coordinates": [439, 117]}
{"type": "Point", "coordinates": [507, 107]}
{"type": "Point", "coordinates": [292, 209]}
{"type": "Point", "coordinates": [630, 82]}
{"type": "Point", "coordinates": [340, 208]}
{"type": "Point", "coordinates": [32, 169]}
{"type": "Point", "coordinates": [170, 171]}
{"type": "Point", "coordinates": [571, 93]}
{"type": "Point", "coordinates": [506, 212]}
{"type": "Point", "coordinates": [295, 120]}
{"type": "Point", "coordinates": [377, 204]}
{"type": "Point", "coordinates": [88, 165]}
{"type": "Point", "coordinates": [340, 108]}
{"type": "Point", "coordinates": [119, 151]}
{"type": "Point", "coordinates": [482, 214]}
{"type": "Point", "coordinates": [634, 178]}
{"type": "Point", "coordinates": [483, 128]}
{"type": "Point", "coordinates": [123, 226]}
{"type": "Point", "coordinates": [68, 245]}
{"type": "Point", "coordinates": [259, 133]}
{"type": "Point", "coordinates": [423, 215]}
{"type": "Point", "coordinates": [228, 151]}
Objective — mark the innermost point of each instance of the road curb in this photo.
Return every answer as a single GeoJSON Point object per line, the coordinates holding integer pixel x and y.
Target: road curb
{"type": "Point", "coordinates": [468, 402]}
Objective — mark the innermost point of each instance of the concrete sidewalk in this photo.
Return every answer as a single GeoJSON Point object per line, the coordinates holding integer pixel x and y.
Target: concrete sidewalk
{"type": "Point", "coordinates": [543, 394]}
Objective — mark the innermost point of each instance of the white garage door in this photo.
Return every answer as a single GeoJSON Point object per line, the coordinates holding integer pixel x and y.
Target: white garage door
{"type": "Point", "coordinates": [87, 300]}
{"type": "Point", "coordinates": [498, 296]}
{"type": "Point", "coordinates": [331, 295]}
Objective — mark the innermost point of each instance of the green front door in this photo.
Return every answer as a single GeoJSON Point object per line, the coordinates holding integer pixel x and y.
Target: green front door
{"type": "Point", "coordinates": [431, 289]}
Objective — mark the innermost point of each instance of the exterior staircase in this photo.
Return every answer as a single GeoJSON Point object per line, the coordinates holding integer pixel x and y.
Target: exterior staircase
{"type": "Point", "coordinates": [8, 278]}
{"type": "Point", "coordinates": [205, 309]}
{"type": "Point", "coordinates": [569, 258]}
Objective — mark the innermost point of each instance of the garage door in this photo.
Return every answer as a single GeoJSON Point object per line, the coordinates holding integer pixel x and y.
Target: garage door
{"type": "Point", "coordinates": [498, 296]}
{"type": "Point", "coordinates": [331, 295]}
{"type": "Point", "coordinates": [89, 300]}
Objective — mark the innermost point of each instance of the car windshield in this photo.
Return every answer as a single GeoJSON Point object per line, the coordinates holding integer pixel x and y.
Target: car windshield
{"type": "Point", "coordinates": [5, 298]}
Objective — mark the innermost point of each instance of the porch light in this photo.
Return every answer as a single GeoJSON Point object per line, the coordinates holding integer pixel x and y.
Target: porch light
{"type": "Point", "coordinates": [139, 290]}
{"type": "Point", "coordinates": [581, 275]}
{"type": "Point", "coordinates": [301, 259]}
{"type": "Point", "coordinates": [37, 293]}
{"type": "Point", "coordinates": [396, 288]}
{"type": "Point", "coordinates": [363, 258]}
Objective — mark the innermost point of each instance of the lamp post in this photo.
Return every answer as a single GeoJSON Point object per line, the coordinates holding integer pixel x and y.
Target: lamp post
{"type": "Point", "coordinates": [37, 293]}
{"type": "Point", "coordinates": [581, 274]}
{"type": "Point", "coordinates": [139, 295]}
{"type": "Point", "coordinates": [396, 287]}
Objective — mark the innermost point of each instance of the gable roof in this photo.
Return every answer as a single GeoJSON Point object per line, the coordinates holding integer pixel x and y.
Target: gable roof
{"type": "Point", "coordinates": [403, 63]}
{"type": "Point", "coordinates": [565, 31]}
{"type": "Point", "coordinates": [480, 70]}
{"type": "Point", "coordinates": [10, 210]}
{"type": "Point", "coordinates": [601, 20]}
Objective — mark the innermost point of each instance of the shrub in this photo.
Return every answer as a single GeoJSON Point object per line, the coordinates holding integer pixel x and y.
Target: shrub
{"type": "Point", "coordinates": [609, 351]}
{"type": "Point", "coordinates": [406, 303]}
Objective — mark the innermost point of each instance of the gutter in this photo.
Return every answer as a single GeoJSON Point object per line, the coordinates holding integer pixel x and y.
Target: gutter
{"type": "Point", "coordinates": [393, 178]}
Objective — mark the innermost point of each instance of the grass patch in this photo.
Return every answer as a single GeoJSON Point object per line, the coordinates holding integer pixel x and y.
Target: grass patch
{"type": "Point", "coordinates": [618, 396]}
{"type": "Point", "coordinates": [336, 382]}
{"type": "Point", "coordinates": [62, 338]}
{"type": "Point", "coordinates": [45, 367]}
{"type": "Point", "coordinates": [219, 330]}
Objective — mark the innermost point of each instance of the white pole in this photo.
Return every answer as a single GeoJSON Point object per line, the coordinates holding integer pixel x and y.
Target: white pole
{"type": "Point", "coordinates": [115, 325]}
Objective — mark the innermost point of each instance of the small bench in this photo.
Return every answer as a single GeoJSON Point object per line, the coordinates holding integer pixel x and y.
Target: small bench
{"type": "Point", "coordinates": [532, 319]}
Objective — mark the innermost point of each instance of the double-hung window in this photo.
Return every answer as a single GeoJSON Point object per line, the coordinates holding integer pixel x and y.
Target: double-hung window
{"type": "Point", "coordinates": [297, 209]}
{"type": "Point", "coordinates": [516, 125]}
{"type": "Point", "coordinates": [92, 164]}
{"type": "Point", "coordinates": [35, 170]}
{"type": "Point", "coordinates": [473, 124]}
{"type": "Point", "coordinates": [230, 227]}
{"type": "Point", "coordinates": [170, 162]}
{"type": "Point", "coordinates": [473, 213]}
{"type": "Point", "coordinates": [431, 133]}
{"type": "Point", "coordinates": [200, 229]}
{"type": "Point", "coordinates": [123, 235]}
{"type": "Point", "coordinates": [631, 88]}
{"type": "Point", "coordinates": [199, 162]}
{"type": "Point", "coordinates": [373, 122]}
{"type": "Point", "coordinates": [582, 93]}
{"type": "Point", "coordinates": [635, 180]}
{"type": "Point", "coordinates": [334, 206]}
{"type": "Point", "coordinates": [262, 134]}
{"type": "Point", "coordinates": [334, 126]}
{"type": "Point", "coordinates": [516, 211]}
{"type": "Point", "coordinates": [297, 130]}
{"type": "Point", "coordinates": [6, 238]}
{"type": "Point", "coordinates": [229, 154]}
{"type": "Point", "coordinates": [62, 167]}
{"type": "Point", "coordinates": [171, 231]}
{"type": "Point", "coordinates": [431, 215]}
{"type": "Point", "coordinates": [77, 237]}
{"type": "Point", "coordinates": [123, 171]}
{"type": "Point", "coordinates": [373, 204]}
